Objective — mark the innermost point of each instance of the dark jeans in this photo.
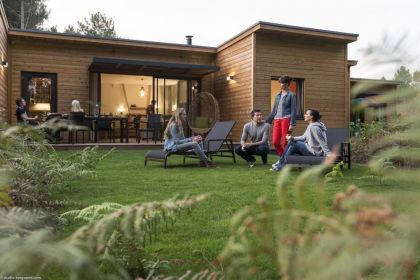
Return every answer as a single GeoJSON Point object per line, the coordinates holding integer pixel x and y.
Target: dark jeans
{"type": "Point", "coordinates": [249, 153]}
{"type": "Point", "coordinates": [292, 148]}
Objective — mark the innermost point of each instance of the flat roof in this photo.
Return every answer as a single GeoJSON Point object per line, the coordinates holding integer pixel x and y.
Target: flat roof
{"type": "Point", "coordinates": [376, 81]}
{"type": "Point", "coordinates": [290, 29]}
{"type": "Point", "coordinates": [24, 33]}
{"type": "Point", "coordinates": [260, 26]}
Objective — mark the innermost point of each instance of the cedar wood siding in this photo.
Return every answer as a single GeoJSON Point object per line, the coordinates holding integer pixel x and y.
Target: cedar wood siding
{"type": "Point", "coordinates": [321, 63]}
{"type": "Point", "coordinates": [235, 97]}
{"type": "Point", "coordinates": [4, 101]}
{"type": "Point", "coordinates": [71, 61]}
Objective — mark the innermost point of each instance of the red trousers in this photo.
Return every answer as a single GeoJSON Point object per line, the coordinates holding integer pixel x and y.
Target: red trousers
{"type": "Point", "coordinates": [280, 128]}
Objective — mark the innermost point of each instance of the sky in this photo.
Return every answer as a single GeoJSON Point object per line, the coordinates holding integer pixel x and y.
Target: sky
{"type": "Point", "coordinates": [381, 23]}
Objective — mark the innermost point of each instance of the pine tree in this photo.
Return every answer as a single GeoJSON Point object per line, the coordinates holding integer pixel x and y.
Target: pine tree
{"type": "Point", "coordinates": [35, 12]}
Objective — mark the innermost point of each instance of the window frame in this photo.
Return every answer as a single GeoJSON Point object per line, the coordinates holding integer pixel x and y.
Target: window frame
{"type": "Point", "coordinates": [26, 76]}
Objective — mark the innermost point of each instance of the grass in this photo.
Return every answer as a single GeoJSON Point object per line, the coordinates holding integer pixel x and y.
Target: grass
{"type": "Point", "coordinates": [196, 239]}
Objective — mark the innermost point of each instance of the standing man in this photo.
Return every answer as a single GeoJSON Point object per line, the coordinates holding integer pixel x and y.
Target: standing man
{"type": "Point", "coordinates": [150, 110]}
{"type": "Point", "coordinates": [21, 115]}
{"type": "Point", "coordinates": [258, 131]}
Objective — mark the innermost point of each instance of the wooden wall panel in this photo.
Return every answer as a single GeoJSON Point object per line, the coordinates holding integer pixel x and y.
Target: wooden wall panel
{"type": "Point", "coordinates": [4, 100]}
{"type": "Point", "coordinates": [322, 65]}
{"type": "Point", "coordinates": [71, 64]}
{"type": "Point", "coordinates": [235, 97]}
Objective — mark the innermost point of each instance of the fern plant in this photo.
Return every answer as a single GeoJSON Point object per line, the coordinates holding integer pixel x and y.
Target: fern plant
{"type": "Point", "coordinates": [28, 247]}
{"type": "Point", "coordinates": [122, 231]}
{"type": "Point", "coordinates": [361, 236]}
{"type": "Point", "coordinates": [110, 246]}
{"type": "Point", "coordinates": [36, 168]}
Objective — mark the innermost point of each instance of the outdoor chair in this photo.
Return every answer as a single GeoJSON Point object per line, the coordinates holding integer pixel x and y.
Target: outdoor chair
{"type": "Point", "coordinates": [107, 125]}
{"type": "Point", "coordinates": [135, 124]}
{"type": "Point", "coordinates": [336, 139]}
{"type": "Point", "coordinates": [153, 129]}
{"type": "Point", "coordinates": [78, 123]}
{"type": "Point", "coordinates": [216, 143]}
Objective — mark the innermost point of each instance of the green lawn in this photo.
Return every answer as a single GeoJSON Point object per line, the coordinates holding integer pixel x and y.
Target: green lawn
{"type": "Point", "coordinates": [197, 238]}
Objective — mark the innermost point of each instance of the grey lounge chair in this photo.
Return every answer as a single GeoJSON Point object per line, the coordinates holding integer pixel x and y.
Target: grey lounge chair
{"type": "Point", "coordinates": [337, 138]}
{"type": "Point", "coordinates": [216, 143]}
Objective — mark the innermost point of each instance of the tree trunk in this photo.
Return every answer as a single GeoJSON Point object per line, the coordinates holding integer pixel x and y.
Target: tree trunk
{"type": "Point", "coordinates": [22, 15]}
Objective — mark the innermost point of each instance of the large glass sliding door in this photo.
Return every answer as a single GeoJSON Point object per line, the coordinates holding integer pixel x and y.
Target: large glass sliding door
{"type": "Point", "coordinates": [170, 95]}
{"type": "Point", "coordinates": [132, 94]}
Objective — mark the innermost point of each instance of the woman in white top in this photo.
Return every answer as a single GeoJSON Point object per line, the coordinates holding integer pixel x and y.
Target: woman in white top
{"type": "Point", "coordinates": [75, 106]}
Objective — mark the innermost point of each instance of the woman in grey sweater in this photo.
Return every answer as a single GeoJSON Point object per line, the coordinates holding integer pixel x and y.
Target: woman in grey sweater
{"type": "Point", "coordinates": [312, 143]}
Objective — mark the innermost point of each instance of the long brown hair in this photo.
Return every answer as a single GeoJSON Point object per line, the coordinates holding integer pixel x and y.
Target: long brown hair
{"type": "Point", "coordinates": [175, 118]}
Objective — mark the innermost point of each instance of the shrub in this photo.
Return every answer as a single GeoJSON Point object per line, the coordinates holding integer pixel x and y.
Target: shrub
{"type": "Point", "coordinates": [36, 168]}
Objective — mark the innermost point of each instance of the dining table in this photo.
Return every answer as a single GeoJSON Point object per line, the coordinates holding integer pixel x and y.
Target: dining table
{"type": "Point", "coordinates": [123, 120]}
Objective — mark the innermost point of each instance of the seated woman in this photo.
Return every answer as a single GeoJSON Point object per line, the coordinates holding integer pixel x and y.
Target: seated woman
{"type": "Point", "coordinates": [75, 106]}
{"type": "Point", "coordinates": [312, 143]}
{"type": "Point", "coordinates": [176, 142]}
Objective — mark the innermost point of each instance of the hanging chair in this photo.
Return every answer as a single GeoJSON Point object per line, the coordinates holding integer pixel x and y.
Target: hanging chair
{"type": "Point", "coordinates": [203, 112]}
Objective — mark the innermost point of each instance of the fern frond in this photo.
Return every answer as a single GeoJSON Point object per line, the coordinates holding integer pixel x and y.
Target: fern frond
{"type": "Point", "coordinates": [137, 221]}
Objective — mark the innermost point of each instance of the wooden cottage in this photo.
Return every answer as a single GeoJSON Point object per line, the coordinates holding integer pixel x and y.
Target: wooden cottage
{"type": "Point", "coordinates": [119, 76]}
{"type": "Point", "coordinates": [366, 103]}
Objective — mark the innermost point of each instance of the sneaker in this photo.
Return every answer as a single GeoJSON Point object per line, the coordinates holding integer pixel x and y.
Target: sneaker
{"type": "Point", "coordinates": [276, 164]}
{"type": "Point", "coordinates": [276, 168]}
{"type": "Point", "coordinates": [251, 163]}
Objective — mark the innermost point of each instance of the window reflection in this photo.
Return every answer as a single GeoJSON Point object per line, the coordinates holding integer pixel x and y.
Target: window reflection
{"type": "Point", "coordinates": [39, 92]}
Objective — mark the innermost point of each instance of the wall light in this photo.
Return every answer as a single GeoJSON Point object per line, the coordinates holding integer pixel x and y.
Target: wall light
{"type": "Point", "coordinates": [4, 63]}
{"type": "Point", "coordinates": [230, 78]}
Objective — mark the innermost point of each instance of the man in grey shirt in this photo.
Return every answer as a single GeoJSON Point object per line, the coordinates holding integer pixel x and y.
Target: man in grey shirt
{"type": "Point", "coordinates": [257, 130]}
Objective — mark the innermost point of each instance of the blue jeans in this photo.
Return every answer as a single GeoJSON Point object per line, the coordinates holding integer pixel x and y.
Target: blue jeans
{"type": "Point", "coordinates": [249, 153]}
{"type": "Point", "coordinates": [198, 149]}
{"type": "Point", "coordinates": [292, 148]}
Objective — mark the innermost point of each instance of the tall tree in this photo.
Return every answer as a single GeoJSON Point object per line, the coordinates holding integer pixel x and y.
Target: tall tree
{"type": "Point", "coordinates": [97, 25]}
{"type": "Point", "coordinates": [26, 14]}
{"type": "Point", "coordinates": [404, 76]}
{"type": "Point", "coordinates": [416, 76]}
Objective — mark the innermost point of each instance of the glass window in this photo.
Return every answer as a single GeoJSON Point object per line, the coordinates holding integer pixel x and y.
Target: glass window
{"type": "Point", "coordinates": [297, 86]}
{"type": "Point", "coordinates": [40, 92]}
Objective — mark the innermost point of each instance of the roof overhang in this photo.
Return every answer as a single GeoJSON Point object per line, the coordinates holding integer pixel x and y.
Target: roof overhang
{"type": "Point", "coordinates": [275, 28]}
{"type": "Point", "coordinates": [375, 81]}
{"type": "Point", "coordinates": [150, 68]}
{"type": "Point", "coordinates": [24, 34]}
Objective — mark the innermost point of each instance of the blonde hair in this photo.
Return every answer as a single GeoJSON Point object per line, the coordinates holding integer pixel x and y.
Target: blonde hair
{"type": "Point", "coordinates": [75, 106]}
{"type": "Point", "coordinates": [176, 119]}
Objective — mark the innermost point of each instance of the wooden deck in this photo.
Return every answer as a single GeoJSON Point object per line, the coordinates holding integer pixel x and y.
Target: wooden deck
{"type": "Point", "coordinates": [121, 146]}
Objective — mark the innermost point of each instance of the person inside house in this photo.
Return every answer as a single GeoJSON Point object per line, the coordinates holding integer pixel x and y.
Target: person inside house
{"type": "Point", "coordinates": [150, 110]}
{"type": "Point", "coordinates": [75, 106]}
{"type": "Point", "coordinates": [21, 114]}
{"type": "Point", "coordinates": [175, 140]}
{"type": "Point", "coordinates": [257, 131]}
{"type": "Point", "coordinates": [312, 143]}
{"type": "Point", "coordinates": [283, 114]}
